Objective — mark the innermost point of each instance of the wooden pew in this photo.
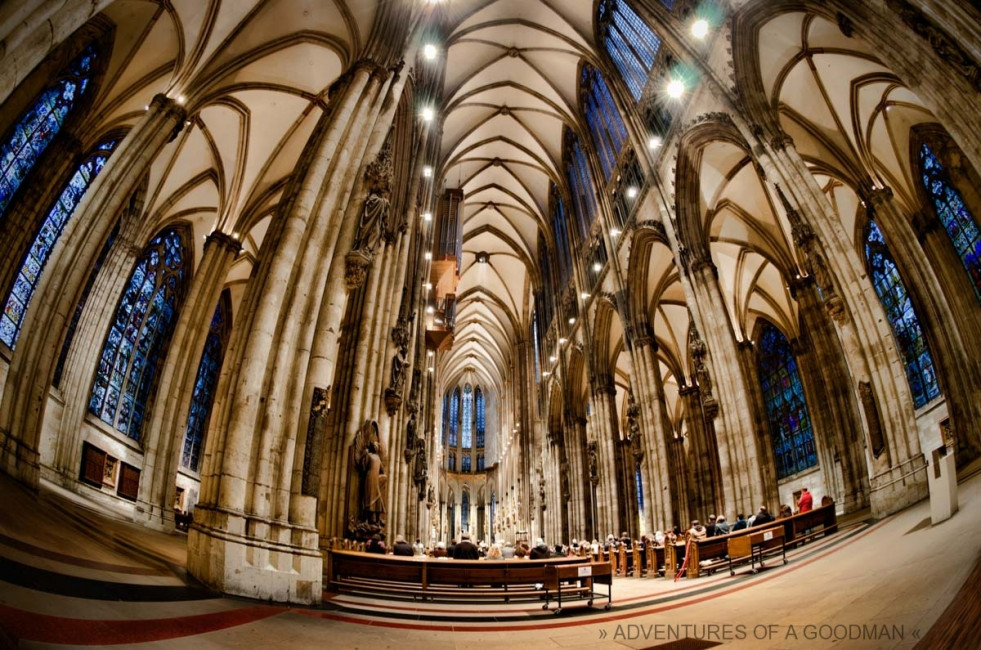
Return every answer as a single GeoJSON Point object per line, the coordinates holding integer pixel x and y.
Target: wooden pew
{"type": "Point", "coordinates": [422, 577]}
{"type": "Point", "coordinates": [754, 546]}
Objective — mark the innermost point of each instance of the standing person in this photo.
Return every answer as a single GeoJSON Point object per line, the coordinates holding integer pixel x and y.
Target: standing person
{"type": "Point", "coordinates": [805, 502]}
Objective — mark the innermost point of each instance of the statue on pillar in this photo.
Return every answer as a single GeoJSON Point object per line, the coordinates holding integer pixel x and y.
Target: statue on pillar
{"type": "Point", "coordinates": [592, 457]}
{"type": "Point", "coordinates": [369, 461]}
{"type": "Point", "coordinates": [374, 218]}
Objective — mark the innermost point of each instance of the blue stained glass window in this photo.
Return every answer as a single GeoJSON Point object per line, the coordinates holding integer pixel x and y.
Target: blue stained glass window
{"type": "Point", "coordinates": [465, 463]}
{"type": "Point", "coordinates": [640, 490]}
{"type": "Point", "coordinates": [39, 125]}
{"type": "Point", "coordinates": [920, 372]}
{"type": "Point", "coordinates": [783, 395]}
{"type": "Point", "coordinates": [581, 186]}
{"type": "Point", "coordinates": [44, 242]}
{"type": "Point", "coordinates": [480, 466]}
{"type": "Point", "coordinates": [467, 422]}
{"type": "Point", "coordinates": [479, 407]}
{"type": "Point", "coordinates": [136, 344]}
{"type": "Point", "coordinates": [954, 215]}
{"type": "Point", "coordinates": [630, 42]}
{"type": "Point", "coordinates": [603, 118]}
{"type": "Point", "coordinates": [538, 343]}
{"type": "Point", "coordinates": [454, 420]}
{"type": "Point", "coordinates": [560, 229]}
{"type": "Point", "coordinates": [446, 419]}
{"type": "Point", "coordinates": [206, 382]}
{"type": "Point", "coordinates": [451, 460]}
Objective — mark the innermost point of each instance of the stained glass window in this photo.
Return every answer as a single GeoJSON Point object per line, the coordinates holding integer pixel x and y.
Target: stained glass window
{"type": "Point", "coordinates": [44, 242]}
{"type": "Point", "coordinates": [205, 383]}
{"type": "Point", "coordinates": [446, 419]}
{"type": "Point", "coordinates": [603, 118]}
{"type": "Point", "coordinates": [465, 463]}
{"type": "Point", "coordinates": [581, 186]}
{"type": "Point", "coordinates": [954, 215]}
{"type": "Point", "coordinates": [538, 343]}
{"type": "Point", "coordinates": [480, 462]}
{"type": "Point", "coordinates": [479, 407]}
{"type": "Point", "coordinates": [136, 345]}
{"type": "Point", "coordinates": [451, 459]}
{"type": "Point", "coordinates": [639, 482]}
{"type": "Point", "coordinates": [467, 421]}
{"type": "Point", "coordinates": [454, 420]}
{"type": "Point", "coordinates": [629, 41]}
{"type": "Point", "coordinates": [38, 126]}
{"type": "Point", "coordinates": [895, 300]}
{"type": "Point", "coordinates": [783, 395]}
{"type": "Point", "coordinates": [560, 229]}
{"type": "Point", "coordinates": [547, 288]}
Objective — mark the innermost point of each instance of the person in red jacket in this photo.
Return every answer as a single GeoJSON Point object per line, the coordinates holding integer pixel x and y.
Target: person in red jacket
{"type": "Point", "coordinates": [806, 502]}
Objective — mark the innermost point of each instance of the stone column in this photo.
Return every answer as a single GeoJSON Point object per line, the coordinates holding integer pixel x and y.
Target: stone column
{"type": "Point", "coordinates": [739, 461]}
{"type": "Point", "coordinates": [761, 430]}
{"type": "Point", "coordinates": [255, 533]}
{"type": "Point", "coordinates": [32, 367]}
{"type": "Point", "coordinates": [603, 434]}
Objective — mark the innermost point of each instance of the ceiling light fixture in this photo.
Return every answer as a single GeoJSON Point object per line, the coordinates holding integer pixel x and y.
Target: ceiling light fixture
{"type": "Point", "coordinates": [429, 51]}
{"type": "Point", "coordinates": [654, 142]}
{"type": "Point", "coordinates": [428, 114]}
{"type": "Point", "coordinates": [700, 28]}
{"type": "Point", "coordinates": [676, 88]}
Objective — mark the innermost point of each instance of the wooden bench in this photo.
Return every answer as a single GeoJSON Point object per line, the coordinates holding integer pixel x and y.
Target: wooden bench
{"type": "Point", "coordinates": [578, 581]}
{"type": "Point", "coordinates": [422, 577]}
{"type": "Point", "coordinates": [752, 547]}
{"type": "Point", "coordinates": [711, 553]}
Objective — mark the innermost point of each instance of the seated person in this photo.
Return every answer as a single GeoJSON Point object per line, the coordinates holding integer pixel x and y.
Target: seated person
{"type": "Point", "coordinates": [762, 517]}
{"type": "Point", "coordinates": [494, 552]}
{"type": "Point", "coordinates": [697, 531]}
{"type": "Point", "coordinates": [521, 552]}
{"type": "Point", "coordinates": [508, 551]}
{"type": "Point", "coordinates": [418, 548]}
{"type": "Point", "coordinates": [540, 552]}
{"type": "Point", "coordinates": [376, 544]}
{"type": "Point", "coordinates": [721, 526]}
{"type": "Point", "coordinates": [465, 549]}
{"type": "Point", "coordinates": [401, 547]}
{"type": "Point", "coordinates": [740, 523]}
{"type": "Point", "coordinates": [440, 550]}
{"type": "Point", "coordinates": [710, 528]}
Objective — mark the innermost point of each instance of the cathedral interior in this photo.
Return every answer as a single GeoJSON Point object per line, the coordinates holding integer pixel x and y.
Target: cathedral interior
{"type": "Point", "coordinates": [278, 273]}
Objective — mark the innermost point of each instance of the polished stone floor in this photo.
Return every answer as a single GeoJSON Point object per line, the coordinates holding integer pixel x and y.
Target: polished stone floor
{"type": "Point", "coordinates": [70, 576]}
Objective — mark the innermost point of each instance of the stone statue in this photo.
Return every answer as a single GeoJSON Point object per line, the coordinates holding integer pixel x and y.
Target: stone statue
{"type": "Point", "coordinates": [593, 460]}
{"type": "Point", "coordinates": [368, 459]}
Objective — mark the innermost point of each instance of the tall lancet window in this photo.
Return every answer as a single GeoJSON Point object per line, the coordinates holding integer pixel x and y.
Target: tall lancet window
{"type": "Point", "coordinates": [454, 421]}
{"type": "Point", "coordinates": [136, 346]}
{"type": "Point", "coordinates": [906, 328]}
{"type": "Point", "coordinates": [206, 381]}
{"type": "Point", "coordinates": [39, 125]}
{"type": "Point", "coordinates": [560, 229]}
{"type": "Point", "coordinates": [954, 215]}
{"type": "Point", "coordinates": [478, 400]}
{"type": "Point", "coordinates": [783, 395]}
{"type": "Point", "coordinates": [466, 423]}
{"type": "Point", "coordinates": [44, 242]}
{"type": "Point", "coordinates": [630, 42]}
{"type": "Point", "coordinates": [603, 118]}
{"type": "Point", "coordinates": [581, 185]}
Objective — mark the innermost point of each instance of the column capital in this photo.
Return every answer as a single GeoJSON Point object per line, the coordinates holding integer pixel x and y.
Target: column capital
{"type": "Point", "coordinates": [880, 195]}
{"type": "Point", "coordinates": [224, 240]}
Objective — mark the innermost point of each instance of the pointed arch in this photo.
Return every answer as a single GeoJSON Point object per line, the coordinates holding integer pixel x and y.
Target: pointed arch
{"type": "Point", "coordinates": [136, 345]}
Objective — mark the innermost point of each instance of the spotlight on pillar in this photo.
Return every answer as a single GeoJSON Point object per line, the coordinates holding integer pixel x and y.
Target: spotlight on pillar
{"type": "Point", "coordinates": [572, 321]}
{"type": "Point", "coordinates": [429, 51]}
{"type": "Point", "coordinates": [676, 88]}
{"type": "Point", "coordinates": [700, 28]}
{"type": "Point", "coordinates": [597, 267]}
{"type": "Point", "coordinates": [562, 340]}
{"type": "Point", "coordinates": [430, 309]}
{"type": "Point", "coordinates": [655, 142]}
{"type": "Point", "coordinates": [428, 255]}
{"type": "Point", "coordinates": [552, 359]}
{"type": "Point", "coordinates": [427, 216]}
{"type": "Point", "coordinates": [427, 172]}
{"type": "Point", "coordinates": [428, 114]}
{"type": "Point", "coordinates": [584, 295]}
{"type": "Point", "coordinates": [427, 286]}
{"type": "Point", "coordinates": [614, 232]}
{"type": "Point", "coordinates": [181, 99]}
{"type": "Point", "coordinates": [631, 192]}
